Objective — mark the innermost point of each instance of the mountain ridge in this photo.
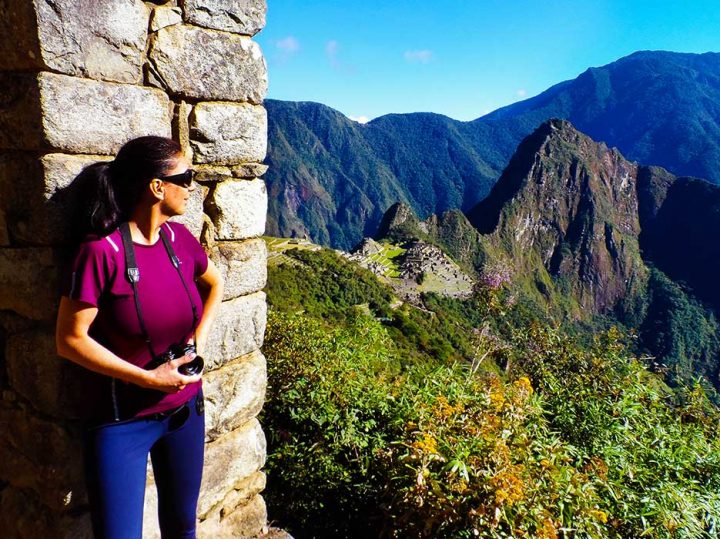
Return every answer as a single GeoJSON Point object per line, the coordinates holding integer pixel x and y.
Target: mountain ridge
{"type": "Point", "coordinates": [331, 179]}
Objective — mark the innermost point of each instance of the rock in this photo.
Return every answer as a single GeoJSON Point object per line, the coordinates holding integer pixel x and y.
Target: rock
{"type": "Point", "coordinates": [212, 173]}
{"type": "Point", "coordinates": [48, 111]}
{"type": "Point", "coordinates": [99, 40]}
{"type": "Point", "coordinates": [181, 128]}
{"type": "Point", "coordinates": [238, 209]}
{"type": "Point", "coordinates": [39, 197]}
{"type": "Point", "coordinates": [228, 461]}
{"type": "Point", "coordinates": [234, 394]}
{"type": "Point", "coordinates": [238, 16]}
{"type": "Point", "coordinates": [244, 522]}
{"type": "Point", "coordinates": [24, 516]}
{"type": "Point", "coordinates": [29, 282]}
{"type": "Point", "coordinates": [238, 330]}
{"type": "Point", "coordinates": [275, 533]}
{"type": "Point", "coordinates": [83, 116]}
{"type": "Point", "coordinates": [193, 216]}
{"type": "Point", "coordinates": [228, 133]}
{"type": "Point", "coordinates": [243, 266]}
{"type": "Point", "coordinates": [21, 124]}
{"type": "Point", "coordinates": [230, 68]}
{"type": "Point", "coordinates": [165, 16]}
{"type": "Point", "coordinates": [23, 50]}
{"type": "Point", "coordinates": [42, 457]}
{"type": "Point", "coordinates": [213, 525]}
{"type": "Point", "coordinates": [249, 170]}
{"type": "Point", "coordinates": [54, 386]}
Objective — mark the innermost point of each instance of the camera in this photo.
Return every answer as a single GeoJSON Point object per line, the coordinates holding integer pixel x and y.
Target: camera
{"type": "Point", "coordinates": [177, 351]}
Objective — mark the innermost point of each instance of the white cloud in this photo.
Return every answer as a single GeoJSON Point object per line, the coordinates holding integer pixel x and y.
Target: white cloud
{"type": "Point", "coordinates": [289, 45]}
{"type": "Point", "coordinates": [286, 48]}
{"type": "Point", "coordinates": [331, 48]}
{"type": "Point", "coordinates": [418, 57]}
{"type": "Point", "coordinates": [331, 51]}
{"type": "Point", "coordinates": [521, 92]}
{"type": "Point", "coordinates": [360, 119]}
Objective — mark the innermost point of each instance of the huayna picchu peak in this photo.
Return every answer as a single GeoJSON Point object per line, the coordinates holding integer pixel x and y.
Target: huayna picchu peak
{"type": "Point", "coordinates": [568, 204]}
{"type": "Point", "coordinates": [582, 232]}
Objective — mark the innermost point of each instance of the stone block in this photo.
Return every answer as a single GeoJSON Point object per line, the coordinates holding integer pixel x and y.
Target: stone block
{"type": "Point", "coordinates": [212, 173]}
{"type": "Point", "coordinates": [29, 282]}
{"type": "Point", "coordinates": [101, 40]}
{"type": "Point", "coordinates": [42, 457]}
{"type": "Point", "coordinates": [238, 209]}
{"type": "Point", "coordinates": [234, 394]}
{"type": "Point", "coordinates": [244, 522]}
{"type": "Point", "coordinates": [238, 330]}
{"type": "Point", "coordinates": [243, 266]}
{"type": "Point", "coordinates": [228, 133]}
{"type": "Point", "coordinates": [181, 128]}
{"type": "Point", "coordinates": [23, 516]}
{"type": "Point", "coordinates": [193, 216]}
{"type": "Point", "coordinates": [48, 112]}
{"type": "Point", "coordinates": [164, 16]}
{"type": "Point", "coordinates": [213, 525]}
{"type": "Point", "coordinates": [23, 50]}
{"type": "Point", "coordinates": [229, 461]}
{"type": "Point", "coordinates": [40, 200]}
{"type": "Point", "coordinates": [84, 116]}
{"type": "Point", "coordinates": [230, 67]}
{"type": "Point", "coordinates": [21, 124]}
{"type": "Point", "coordinates": [238, 16]}
{"type": "Point", "coordinates": [249, 170]}
{"type": "Point", "coordinates": [54, 386]}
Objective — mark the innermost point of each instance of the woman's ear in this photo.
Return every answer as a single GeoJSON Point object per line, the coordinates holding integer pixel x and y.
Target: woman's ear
{"type": "Point", "coordinates": [157, 188]}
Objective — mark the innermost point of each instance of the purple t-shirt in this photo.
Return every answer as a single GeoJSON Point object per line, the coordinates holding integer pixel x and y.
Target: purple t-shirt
{"type": "Point", "coordinates": [99, 279]}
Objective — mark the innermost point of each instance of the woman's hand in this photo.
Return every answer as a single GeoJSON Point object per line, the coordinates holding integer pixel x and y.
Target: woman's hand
{"type": "Point", "coordinates": [168, 378]}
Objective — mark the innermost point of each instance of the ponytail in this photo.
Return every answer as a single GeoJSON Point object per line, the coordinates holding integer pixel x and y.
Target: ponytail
{"type": "Point", "coordinates": [111, 190]}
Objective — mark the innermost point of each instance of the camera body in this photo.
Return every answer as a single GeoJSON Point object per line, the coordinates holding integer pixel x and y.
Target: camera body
{"type": "Point", "coordinates": [177, 351]}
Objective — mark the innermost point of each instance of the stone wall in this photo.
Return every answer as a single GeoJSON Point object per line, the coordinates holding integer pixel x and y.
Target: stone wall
{"type": "Point", "coordinates": [78, 78]}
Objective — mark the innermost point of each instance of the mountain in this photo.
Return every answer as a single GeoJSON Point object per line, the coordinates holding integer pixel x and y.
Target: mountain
{"type": "Point", "coordinates": [586, 235]}
{"type": "Point", "coordinates": [331, 179]}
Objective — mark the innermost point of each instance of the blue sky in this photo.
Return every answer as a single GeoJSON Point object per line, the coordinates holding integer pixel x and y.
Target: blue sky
{"type": "Point", "coordinates": [461, 58]}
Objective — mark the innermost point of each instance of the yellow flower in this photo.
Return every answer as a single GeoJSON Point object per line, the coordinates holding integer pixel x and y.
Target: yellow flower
{"type": "Point", "coordinates": [599, 515]}
{"type": "Point", "coordinates": [523, 383]}
{"type": "Point", "coordinates": [428, 444]}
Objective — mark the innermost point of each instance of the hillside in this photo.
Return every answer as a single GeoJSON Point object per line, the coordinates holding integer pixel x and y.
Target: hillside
{"type": "Point", "coordinates": [467, 418]}
{"type": "Point", "coordinates": [584, 236]}
{"type": "Point", "coordinates": [331, 179]}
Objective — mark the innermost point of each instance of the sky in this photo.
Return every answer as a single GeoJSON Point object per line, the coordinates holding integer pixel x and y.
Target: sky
{"type": "Point", "coordinates": [461, 58]}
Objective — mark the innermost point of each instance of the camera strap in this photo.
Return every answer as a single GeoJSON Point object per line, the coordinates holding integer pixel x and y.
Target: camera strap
{"type": "Point", "coordinates": [132, 272]}
{"type": "Point", "coordinates": [133, 275]}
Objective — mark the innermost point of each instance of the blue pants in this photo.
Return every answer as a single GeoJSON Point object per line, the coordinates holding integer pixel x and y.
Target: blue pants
{"type": "Point", "coordinates": [116, 463]}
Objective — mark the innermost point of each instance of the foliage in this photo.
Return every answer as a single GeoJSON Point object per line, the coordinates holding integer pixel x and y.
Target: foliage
{"type": "Point", "coordinates": [575, 443]}
{"type": "Point", "coordinates": [680, 331]}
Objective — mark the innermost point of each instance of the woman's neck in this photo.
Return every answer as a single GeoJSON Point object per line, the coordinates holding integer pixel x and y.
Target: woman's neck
{"type": "Point", "coordinates": [145, 225]}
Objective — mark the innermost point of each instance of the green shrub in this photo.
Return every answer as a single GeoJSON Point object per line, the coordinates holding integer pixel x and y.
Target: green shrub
{"type": "Point", "coordinates": [578, 443]}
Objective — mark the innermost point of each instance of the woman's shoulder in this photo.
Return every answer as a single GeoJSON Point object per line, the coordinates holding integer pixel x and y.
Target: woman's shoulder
{"type": "Point", "coordinates": [111, 242]}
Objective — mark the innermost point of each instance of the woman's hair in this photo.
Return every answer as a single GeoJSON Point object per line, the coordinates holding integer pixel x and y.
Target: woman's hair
{"type": "Point", "coordinates": [111, 190]}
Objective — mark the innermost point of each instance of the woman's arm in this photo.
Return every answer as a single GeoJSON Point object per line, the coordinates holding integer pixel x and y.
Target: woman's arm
{"type": "Point", "coordinates": [211, 289]}
{"type": "Point", "coordinates": [74, 343]}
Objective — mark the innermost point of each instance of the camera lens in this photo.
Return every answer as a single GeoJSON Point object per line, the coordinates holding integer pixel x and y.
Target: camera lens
{"type": "Point", "coordinates": [192, 368]}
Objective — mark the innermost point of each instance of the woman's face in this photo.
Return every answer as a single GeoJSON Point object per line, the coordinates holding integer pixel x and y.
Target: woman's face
{"type": "Point", "coordinates": [175, 196]}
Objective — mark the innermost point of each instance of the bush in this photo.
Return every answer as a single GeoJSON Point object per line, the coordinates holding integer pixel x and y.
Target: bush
{"type": "Point", "coordinates": [578, 443]}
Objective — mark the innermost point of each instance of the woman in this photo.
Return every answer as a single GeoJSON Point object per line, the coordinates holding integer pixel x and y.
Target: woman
{"type": "Point", "coordinates": [119, 322]}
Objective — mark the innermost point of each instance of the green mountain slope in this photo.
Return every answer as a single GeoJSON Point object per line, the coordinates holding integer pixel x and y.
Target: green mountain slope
{"type": "Point", "coordinates": [331, 179]}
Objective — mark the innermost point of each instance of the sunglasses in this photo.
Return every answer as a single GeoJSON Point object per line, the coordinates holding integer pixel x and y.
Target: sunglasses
{"type": "Point", "coordinates": [184, 179]}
